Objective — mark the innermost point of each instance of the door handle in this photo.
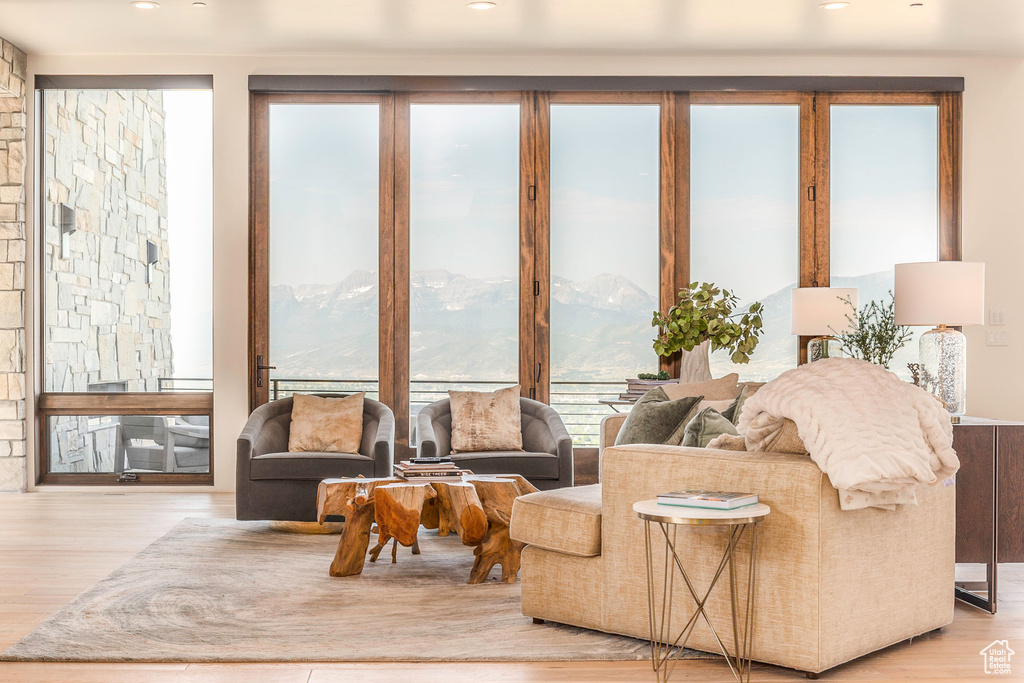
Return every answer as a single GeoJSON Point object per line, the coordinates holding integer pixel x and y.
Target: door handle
{"type": "Point", "coordinates": [260, 367]}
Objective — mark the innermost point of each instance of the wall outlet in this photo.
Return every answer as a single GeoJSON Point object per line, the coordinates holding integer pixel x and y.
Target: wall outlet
{"type": "Point", "coordinates": [997, 339]}
{"type": "Point", "coordinates": [996, 317]}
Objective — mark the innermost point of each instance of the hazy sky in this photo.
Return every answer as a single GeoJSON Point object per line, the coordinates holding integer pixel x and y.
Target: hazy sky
{"type": "Point", "coordinates": [745, 191]}
{"type": "Point", "coordinates": [189, 150]}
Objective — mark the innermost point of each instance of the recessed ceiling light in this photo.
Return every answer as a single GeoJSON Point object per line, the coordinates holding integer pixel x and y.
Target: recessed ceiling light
{"type": "Point", "coordinates": [199, 4]}
{"type": "Point", "coordinates": [917, 4]}
{"type": "Point", "coordinates": [144, 4]}
{"type": "Point", "coordinates": [482, 5]}
{"type": "Point", "coordinates": [834, 5]}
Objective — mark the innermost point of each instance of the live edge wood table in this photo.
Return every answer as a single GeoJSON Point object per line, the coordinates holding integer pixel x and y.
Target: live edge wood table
{"type": "Point", "coordinates": [478, 508]}
{"type": "Point", "coordinates": [989, 501]}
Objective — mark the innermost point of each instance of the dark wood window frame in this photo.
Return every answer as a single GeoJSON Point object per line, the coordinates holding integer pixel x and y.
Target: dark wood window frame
{"type": "Point", "coordinates": [674, 206]}
{"type": "Point", "coordinates": [99, 404]}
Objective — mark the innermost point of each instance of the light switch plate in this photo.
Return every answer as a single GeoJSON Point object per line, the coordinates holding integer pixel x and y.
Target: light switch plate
{"type": "Point", "coordinates": [996, 317]}
{"type": "Point", "coordinates": [997, 339]}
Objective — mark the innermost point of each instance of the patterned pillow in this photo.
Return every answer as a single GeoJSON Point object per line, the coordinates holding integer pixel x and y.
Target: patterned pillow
{"type": "Point", "coordinates": [326, 425]}
{"type": "Point", "coordinates": [486, 420]}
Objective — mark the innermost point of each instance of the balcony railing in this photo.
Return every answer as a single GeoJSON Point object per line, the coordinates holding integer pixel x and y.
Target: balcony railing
{"type": "Point", "coordinates": [578, 403]}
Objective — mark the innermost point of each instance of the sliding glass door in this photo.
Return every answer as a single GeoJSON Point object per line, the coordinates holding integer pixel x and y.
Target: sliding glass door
{"type": "Point", "coordinates": [463, 249]}
{"type": "Point", "coordinates": [323, 253]}
{"type": "Point", "coordinates": [604, 255]}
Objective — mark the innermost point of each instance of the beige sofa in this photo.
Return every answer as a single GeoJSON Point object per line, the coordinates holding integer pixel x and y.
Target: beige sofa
{"type": "Point", "coordinates": [832, 585]}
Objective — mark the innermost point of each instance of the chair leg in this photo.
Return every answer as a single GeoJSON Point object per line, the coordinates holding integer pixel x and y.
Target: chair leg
{"type": "Point", "coordinates": [812, 676]}
{"type": "Point", "coordinates": [538, 621]}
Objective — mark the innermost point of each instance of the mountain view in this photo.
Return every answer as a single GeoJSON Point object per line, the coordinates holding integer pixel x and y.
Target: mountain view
{"type": "Point", "coordinates": [466, 329]}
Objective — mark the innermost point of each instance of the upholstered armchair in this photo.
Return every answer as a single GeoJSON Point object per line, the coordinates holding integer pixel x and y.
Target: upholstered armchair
{"type": "Point", "coordinates": [273, 484]}
{"type": "Point", "coordinates": [546, 458]}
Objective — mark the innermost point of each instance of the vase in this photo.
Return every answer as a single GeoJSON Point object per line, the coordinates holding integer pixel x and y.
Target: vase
{"type": "Point", "coordinates": [695, 366]}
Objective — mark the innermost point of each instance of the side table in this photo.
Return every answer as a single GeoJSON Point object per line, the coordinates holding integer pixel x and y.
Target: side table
{"type": "Point", "coordinates": [668, 519]}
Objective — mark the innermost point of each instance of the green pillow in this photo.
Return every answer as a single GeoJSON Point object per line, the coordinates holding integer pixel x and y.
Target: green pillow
{"type": "Point", "coordinates": [657, 419]}
{"type": "Point", "coordinates": [732, 413]}
{"type": "Point", "coordinates": [705, 426]}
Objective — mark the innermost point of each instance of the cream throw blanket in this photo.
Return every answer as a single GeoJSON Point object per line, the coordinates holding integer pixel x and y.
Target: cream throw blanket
{"type": "Point", "coordinates": [874, 435]}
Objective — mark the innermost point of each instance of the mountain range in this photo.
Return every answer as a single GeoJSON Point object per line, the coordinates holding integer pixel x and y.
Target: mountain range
{"type": "Point", "coordinates": [464, 328]}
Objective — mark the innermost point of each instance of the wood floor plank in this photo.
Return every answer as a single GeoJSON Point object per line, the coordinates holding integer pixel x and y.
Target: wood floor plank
{"type": "Point", "coordinates": [54, 545]}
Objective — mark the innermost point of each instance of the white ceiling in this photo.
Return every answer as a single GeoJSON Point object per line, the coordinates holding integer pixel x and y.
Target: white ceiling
{"type": "Point", "coordinates": [320, 27]}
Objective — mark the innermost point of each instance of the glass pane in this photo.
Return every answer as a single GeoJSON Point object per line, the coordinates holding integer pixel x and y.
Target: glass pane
{"type": "Point", "coordinates": [129, 443]}
{"type": "Point", "coordinates": [324, 208]}
{"type": "Point", "coordinates": [885, 198]}
{"type": "Point", "coordinates": [745, 220]}
{"type": "Point", "coordinates": [128, 240]}
{"type": "Point", "coordinates": [604, 256]}
{"type": "Point", "coordinates": [464, 249]}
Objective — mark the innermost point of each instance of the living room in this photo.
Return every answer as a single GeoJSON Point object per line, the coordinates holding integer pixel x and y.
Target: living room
{"type": "Point", "coordinates": [209, 208]}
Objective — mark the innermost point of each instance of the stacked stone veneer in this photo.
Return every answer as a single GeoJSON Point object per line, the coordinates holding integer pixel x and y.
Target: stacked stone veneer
{"type": "Point", "coordinates": [106, 328]}
{"type": "Point", "coordinates": [12, 267]}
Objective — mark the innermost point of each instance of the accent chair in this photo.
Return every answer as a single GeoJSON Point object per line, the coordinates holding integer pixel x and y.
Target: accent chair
{"type": "Point", "coordinates": [274, 484]}
{"type": "Point", "coordinates": [546, 459]}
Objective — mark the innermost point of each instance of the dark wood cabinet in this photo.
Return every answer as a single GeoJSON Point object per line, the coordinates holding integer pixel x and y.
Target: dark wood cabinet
{"type": "Point", "coordinates": [989, 499]}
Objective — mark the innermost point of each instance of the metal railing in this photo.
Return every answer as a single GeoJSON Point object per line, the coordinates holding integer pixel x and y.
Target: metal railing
{"type": "Point", "coordinates": [578, 403]}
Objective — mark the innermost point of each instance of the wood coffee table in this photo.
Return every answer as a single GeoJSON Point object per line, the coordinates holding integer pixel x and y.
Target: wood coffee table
{"type": "Point", "coordinates": [476, 507]}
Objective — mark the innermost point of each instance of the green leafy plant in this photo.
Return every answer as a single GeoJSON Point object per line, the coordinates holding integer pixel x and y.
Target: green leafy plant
{"type": "Point", "coordinates": [663, 375]}
{"type": "Point", "coordinates": [874, 335]}
{"type": "Point", "coordinates": [706, 313]}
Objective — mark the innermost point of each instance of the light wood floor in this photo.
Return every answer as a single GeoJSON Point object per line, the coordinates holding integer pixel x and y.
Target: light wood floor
{"type": "Point", "coordinates": [54, 545]}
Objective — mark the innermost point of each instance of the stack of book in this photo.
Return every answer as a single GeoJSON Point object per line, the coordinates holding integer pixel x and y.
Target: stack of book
{"type": "Point", "coordinates": [428, 467]}
{"type": "Point", "coordinates": [709, 500]}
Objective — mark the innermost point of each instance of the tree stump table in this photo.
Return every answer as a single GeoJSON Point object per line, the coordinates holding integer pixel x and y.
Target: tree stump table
{"type": "Point", "coordinates": [478, 508]}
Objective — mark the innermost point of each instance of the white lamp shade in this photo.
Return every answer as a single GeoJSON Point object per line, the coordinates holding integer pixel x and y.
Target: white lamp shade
{"type": "Point", "coordinates": [940, 293]}
{"type": "Point", "coordinates": [820, 311]}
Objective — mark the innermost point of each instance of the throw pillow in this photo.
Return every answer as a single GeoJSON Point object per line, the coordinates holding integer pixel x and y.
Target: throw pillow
{"type": "Point", "coordinates": [486, 420]}
{"type": "Point", "coordinates": [326, 425]}
{"type": "Point", "coordinates": [720, 406]}
{"type": "Point", "coordinates": [723, 388]}
{"type": "Point", "coordinates": [769, 434]}
{"type": "Point", "coordinates": [657, 419]}
{"type": "Point", "coordinates": [705, 426]}
{"type": "Point", "coordinates": [732, 412]}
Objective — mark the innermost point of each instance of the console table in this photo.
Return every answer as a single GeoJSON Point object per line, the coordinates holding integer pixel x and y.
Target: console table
{"type": "Point", "coordinates": [989, 502]}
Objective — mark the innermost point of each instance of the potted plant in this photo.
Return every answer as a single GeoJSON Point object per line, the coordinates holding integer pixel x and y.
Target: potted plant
{"type": "Point", "coordinates": [873, 334]}
{"type": "Point", "coordinates": [705, 318]}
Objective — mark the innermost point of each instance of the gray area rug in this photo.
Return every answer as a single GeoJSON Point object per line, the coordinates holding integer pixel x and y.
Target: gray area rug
{"type": "Point", "coordinates": [225, 591]}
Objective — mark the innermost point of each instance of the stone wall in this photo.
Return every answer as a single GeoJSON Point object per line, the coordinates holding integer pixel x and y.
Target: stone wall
{"type": "Point", "coordinates": [107, 328]}
{"type": "Point", "coordinates": [12, 267]}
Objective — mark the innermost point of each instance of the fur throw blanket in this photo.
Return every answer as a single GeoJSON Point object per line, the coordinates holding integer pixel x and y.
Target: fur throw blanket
{"type": "Point", "coordinates": [874, 435]}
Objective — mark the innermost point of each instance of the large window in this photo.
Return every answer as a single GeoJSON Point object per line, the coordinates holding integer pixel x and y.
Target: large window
{"type": "Point", "coordinates": [604, 255]}
{"type": "Point", "coordinates": [463, 249]}
{"type": "Point", "coordinates": [126, 232]}
{"type": "Point", "coordinates": [473, 238]}
{"type": "Point", "coordinates": [884, 179]}
{"type": "Point", "coordinates": [324, 200]}
{"type": "Point", "coordinates": [745, 219]}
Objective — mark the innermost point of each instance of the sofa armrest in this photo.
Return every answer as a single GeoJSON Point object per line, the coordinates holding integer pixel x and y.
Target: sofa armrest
{"type": "Point", "coordinates": [610, 427]}
{"type": "Point", "coordinates": [563, 447]}
{"type": "Point", "coordinates": [426, 439]}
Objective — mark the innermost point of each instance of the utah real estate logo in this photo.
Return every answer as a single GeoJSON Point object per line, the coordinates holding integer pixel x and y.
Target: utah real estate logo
{"type": "Point", "coordinates": [997, 657]}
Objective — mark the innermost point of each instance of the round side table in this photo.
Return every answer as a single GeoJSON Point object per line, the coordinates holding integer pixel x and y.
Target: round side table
{"type": "Point", "coordinates": [669, 518]}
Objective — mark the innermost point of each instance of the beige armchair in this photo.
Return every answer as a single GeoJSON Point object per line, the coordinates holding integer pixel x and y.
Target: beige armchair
{"type": "Point", "coordinates": [833, 585]}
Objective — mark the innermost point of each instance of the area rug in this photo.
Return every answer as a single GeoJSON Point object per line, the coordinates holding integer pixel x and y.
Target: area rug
{"type": "Point", "coordinates": [225, 591]}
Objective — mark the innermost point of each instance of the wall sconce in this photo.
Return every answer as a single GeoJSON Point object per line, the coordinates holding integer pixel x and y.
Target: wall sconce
{"type": "Point", "coordinates": [68, 225]}
{"type": "Point", "coordinates": [152, 256]}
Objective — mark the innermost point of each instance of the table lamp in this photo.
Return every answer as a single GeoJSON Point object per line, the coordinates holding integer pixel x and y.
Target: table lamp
{"type": "Point", "coordinates": [942, 293]}
{"type": "Point", "coordinates": [820, 312]}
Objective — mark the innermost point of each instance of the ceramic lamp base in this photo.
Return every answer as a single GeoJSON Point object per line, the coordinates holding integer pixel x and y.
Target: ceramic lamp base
{"type": "Point", "coordinates": [944, 366]}
{"type": "Point", "coordinates": [824, 347]}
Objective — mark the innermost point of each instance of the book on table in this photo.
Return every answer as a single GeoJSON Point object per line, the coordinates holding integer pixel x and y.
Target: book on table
{"type": "Point", "coordinates": [708, 500]}
{"type": "Point", "coordinates": [412, 470]}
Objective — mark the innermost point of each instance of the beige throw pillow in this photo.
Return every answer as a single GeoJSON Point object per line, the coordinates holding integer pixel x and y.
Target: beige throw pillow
{"type": "Point", "coordinates": [723, 388]}
{"type": "Point", "coordinates": [486, 420]}
{"type": "Point", "coordinates": [326, 425]}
